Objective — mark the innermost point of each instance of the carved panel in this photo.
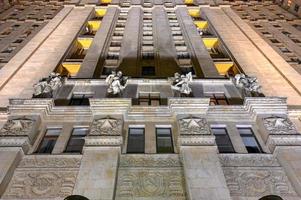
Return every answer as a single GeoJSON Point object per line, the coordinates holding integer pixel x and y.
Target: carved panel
{"type": "Point", "coordinates": [247, 160]}
{"type": "Point", "coordinates": [106, 126]}
{"type": "Point", "coordinates": [17, 127]}
{"type": "Point", "coordinates": [279, 125]}
{"type": "Point", "coordinates": [150, 184]}
{"type": "Point", "coordinates": [150, 161]}
{"type": "Point", "coordinates": [194, 126]}
{"type": "Point", "coordinates": [257, 182]}
{"type": "Point", "coordinates": [50, 162]}
{"type": "Point", "coordinates": [40, 185]}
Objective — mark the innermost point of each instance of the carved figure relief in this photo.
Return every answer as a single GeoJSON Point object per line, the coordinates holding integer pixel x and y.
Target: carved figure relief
{"type": "Point", "coordinates": [106, 126]}
{"type": "Point", "coordinates": [181, 83]}
{"type": "Point", "coordinates": [150, 184]}
{"type": "Point", "coordinates": [40, 185]}
{"type": "Point", "coordinates": [17, 127]}
{"type": "Point", "coordinates": [194, 126]}
{"type": "Point", "coordinates": [279, 125]}
{"type": "Point", "coordinates": [257, 182]}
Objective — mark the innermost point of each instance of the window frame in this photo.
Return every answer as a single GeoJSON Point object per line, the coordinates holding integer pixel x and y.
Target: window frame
{"type": "Point", "coordinates": [248, 135]}
{"type": "Point", "coordinates": [170, 136]}
{"type": "Point", "coordinates": [226, 134]}
{"type": "Point", "coordinates": [129, 136]}
{"type": "Point", "coordinates": [37, 151]}
{"type": "Point", "coordinates": [76, 136]}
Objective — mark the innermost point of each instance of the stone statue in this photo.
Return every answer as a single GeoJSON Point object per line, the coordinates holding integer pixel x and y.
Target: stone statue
{"type": "Point", "coordinates": [46, 87]}
{"type": "Point", "coordinates": [181, 83]}
{"type": "Point", "coordinates": [247, 83]}
{"type": "Point", "coordinates": [116, 82]}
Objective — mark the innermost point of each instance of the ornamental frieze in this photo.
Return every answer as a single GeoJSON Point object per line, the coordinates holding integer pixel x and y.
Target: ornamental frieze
{"type": "Point", "coordinates": [257, 182]}
{"type": "Point", "coordinates": [150, 161]}
{"type": "Point", "coordinates": [279, 125]}
{"type": "Point", "coordinates": [50, 162]}
{"type": "Point", "coordinates": [40, 185]}
{"type": "Point", "coordinates": [194, 126]}
{"type": "Point", "coordinates": [17, 127]}
{"type": "Point", "coordinates": [247, 160]}
{"type": "Point", "coordinates": [106, 126]}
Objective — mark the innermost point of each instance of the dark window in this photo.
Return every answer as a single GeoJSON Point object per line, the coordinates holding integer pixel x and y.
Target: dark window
{"type": "Point", "coordinates": [136, 140]}
{"type": "Point", "coordinates": [284, 50]}
{"type": "Point", "coordinates": [274, 41]}
{"type": "Point", "coordinates": [49, 140]}
{"type": "Point", "coordinates": [148, 71]}
{"type": "Point", "coordinates": [149, 99]}
{"type": "Point", "coordinates": [77, 140]}
{"type": "Point", "coordinates": [218, 99]}
{"type": "Point", "coordinates": [249, 140]}
{"type": "Point", "coordinates": [80, 100]}
{"type": "Point", "coordinates": [222, 140]}
{"type": "Point", "coordinates": [164, 140]}
{"type": "Point", "coordinates": [296, 8]}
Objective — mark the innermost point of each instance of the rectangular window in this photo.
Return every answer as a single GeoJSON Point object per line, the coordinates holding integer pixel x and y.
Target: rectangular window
{"type": "Point", "coordinates": [164, 140]}
{"type": "Point", "coordinates": [136, 140]}
{"type": "Point", "coordinates": [222, 140]}
{"type": "Point", "coordinates": [80, 99]}
{"type": "Point", "coordinates": [296, 8]}
{"type": "Point", "coordinates": [49, 140]}
{"type": "Point", "coordinates": [77, 140]}
{"type": "Point", "coordinates": [249, 140]}
{"type": "Point", "coordinates": [218, 99]}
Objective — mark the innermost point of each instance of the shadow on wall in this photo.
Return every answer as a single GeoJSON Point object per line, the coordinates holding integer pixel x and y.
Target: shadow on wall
{"type": "Point", "coordinates": [271, 197]}
{"type": "Point", "coordinates": [76, 197]}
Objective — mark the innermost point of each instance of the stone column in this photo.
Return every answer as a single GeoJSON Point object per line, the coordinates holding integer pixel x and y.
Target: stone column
{"type": "Point", "coordinates": [98, 171]}
{"type": "Point", "coordinates": [16, 136]}
{"type": "Point", "coordinates": [203, 172]}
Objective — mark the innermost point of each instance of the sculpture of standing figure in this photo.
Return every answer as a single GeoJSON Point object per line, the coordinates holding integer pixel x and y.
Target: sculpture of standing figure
{"type": "Point", "coordinates": [46, 87]}
{"type": "Point", "coordinates": [247, 83]}
{"type": "Point", "coordinates": [116, 82]}
{"type": "Point", "coordinates": [181, 83]}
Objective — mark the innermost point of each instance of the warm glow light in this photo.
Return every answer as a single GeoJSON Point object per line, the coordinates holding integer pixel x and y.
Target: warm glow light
{"type": "Point", "coordinates": [223, 67]}
{"type": "Point", "coordinates": [94, 25]}
{"type": "Point", "coordinates": [100, 12]}
{"type": "Point", "coordinates": [210, 42]}
{"type": "Point", "coordinates": [194, 12]}
{"type": "Point", "coordinates": [188, 2]}
{"type": "Point", "coordinates": [201, 24]}
{"type": "Point", "coordinates": [72, 68]}
{"type": "Point", "coordinates": [84, 43]}
{"type": "Point", "coordinates": [105, 1]}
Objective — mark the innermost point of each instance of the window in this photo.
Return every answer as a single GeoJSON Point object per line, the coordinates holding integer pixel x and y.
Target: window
{"type": "Point", "coordinates": [135, 140]}
{"type": "Point", "coordinates": [149, 99]}
{"type": "Point", "coordinates": [249, 140]}
{"type": "Point", "coordinates": [49, 140]}
{"type": "Point", "coordinates": [222, 140]}
{"type": "Point", "coordinates": [77, 140]}
{"type": "Point", "coordinates": [148, 71]}
{"type": "Point", "coordinates": [164, 140]}
{"type": "Point", "coordinates": [218, 99]}
{"type": "Point", "coordinates": [274, 41]}
{"type": "Point", "coordinates": [296, 8]}
{"type": "Point", "coordinates": [80, 100]}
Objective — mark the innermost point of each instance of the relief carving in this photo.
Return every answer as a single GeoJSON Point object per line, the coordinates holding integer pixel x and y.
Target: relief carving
{"type": "Point", "coordinates": [49, 162]}
{"type": "Point", "coordinates": [247, 160]}
{"type": "Point", "coordinates": [255, 182]}
{"type": "Point", "coordinates": [106, 126]}
{"type": "Point", "coordinates": [17, 127]}
{"type": "Point", "coordinates": [150, 161]}
{"type": "Point", "coordinates": [150, 184]}
{"type": "Point", "coordinates": [279, 125]}
{"type": "Point", "coordinates": [194, 126]}
{"type": "Point", "coordinates": [40, 185]}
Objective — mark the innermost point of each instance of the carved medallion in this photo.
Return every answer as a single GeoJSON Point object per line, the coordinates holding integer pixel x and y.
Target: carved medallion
{"type": "Point", "coordinates": [106, 126]}
{"type": "Point", "coordinates": [279, 125]}
{"type": "Point", "coordinates": [17, 127]}
{"type": "Point", "coordinates": [194, 126]}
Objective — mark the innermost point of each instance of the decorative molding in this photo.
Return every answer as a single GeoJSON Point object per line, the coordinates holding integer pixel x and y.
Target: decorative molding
{"type": "Point", "coordinates": [194, 126]}
{"type": "Point", "coordinates": [257, 182]}
{"type": "Point", "coordinates": [40, 184]}
{"type": "Point", "coordinates": [279, 125]}
{"type": "Point", "coordinates": [103, 141]}
{"type": "Point", "coordinates": [283, 140]}
{"type": "Point", "coordinates": [14, 142]}
{"type": "Point", "coordinates": [41, 161]}
{"type": "Point", "coordinates": [150, 161]}
{"type": "Point", "coordinates": [106, 126]}
{"type": "Point", "coordinates": [150, 184]}
{"type": "Point", "coordinates": [17, 127]}
{"type": "Point", "coordinates": [248, 160]}
{"type": "Point", "coordinates": [193, 140]}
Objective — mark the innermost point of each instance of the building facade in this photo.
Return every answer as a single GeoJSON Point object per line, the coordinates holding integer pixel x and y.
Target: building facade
{"type": "Point", "coordinates": [153, 99]}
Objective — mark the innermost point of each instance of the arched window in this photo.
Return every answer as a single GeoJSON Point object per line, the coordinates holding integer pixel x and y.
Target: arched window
{"type": "Point", "coordinates": [271, 197]}
{"type": "Point", "coordinates": [76, 197]}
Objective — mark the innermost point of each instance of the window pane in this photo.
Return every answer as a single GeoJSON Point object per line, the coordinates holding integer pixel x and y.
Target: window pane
{"type": "Point", "coordinates": [53, 132]}
{"type": "Point", "coordinates": [47, 145]}
{"type": "Point", "coordinates": [77, 140]}
{"type": "Point", "coordinates": [80, 131]}
{"type": "Point", "coordinates": [164, 140]}
{"type": "Point", "coordinates": [249, 140]}
{"type": "Point", "coordinates": [222, 140]}
{"type": "Point", "coordinates": [136, 140]}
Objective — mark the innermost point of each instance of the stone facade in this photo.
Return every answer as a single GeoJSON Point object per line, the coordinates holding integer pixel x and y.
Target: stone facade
{"type": "Point", "coordinates": [149, 142]}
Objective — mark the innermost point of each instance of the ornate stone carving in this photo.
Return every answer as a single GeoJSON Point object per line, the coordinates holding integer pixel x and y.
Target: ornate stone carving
{"type": "Point", "coordinates": [17, 127]}
{"type": "Point", "coordinates": [194, 126]}
{"type": "Point", "coordinates": [257, 182]}
{"type": "Point", "coordinates": [106, 126]}
{"type": "Point", "coordinates": [150, 184]}
{"type": "Point", "coordinates": [247, 160]}
{"type": "Point", "coordinates": [279, 125]}
{"type": "Point", "coordinates": [50, 162]}
{"type": "Point", "coordinates": [40, 184]}
{"type": "Point", "coordinates": [193, 140]}
{"type": "Point", "coordinates": [103, 141]}
{"type": "Point", "coordinates": [150, 161]}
